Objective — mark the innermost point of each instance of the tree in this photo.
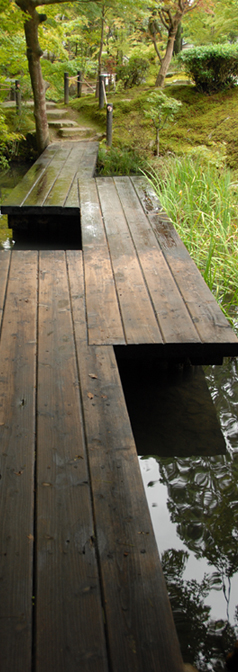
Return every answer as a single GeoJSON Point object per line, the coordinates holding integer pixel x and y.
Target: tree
{"type": "Point", "coordinates": [170, 14]}
{"type": "Point", "coordinates": [218, 22]}
{"type": "Point", "coordinates": [162, 109]}
{"type": "Point", "coordinates": [33, 20]}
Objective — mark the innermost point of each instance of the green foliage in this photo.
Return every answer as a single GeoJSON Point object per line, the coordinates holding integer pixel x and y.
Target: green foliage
{"type": "Point", "coordinates": [203, 205]}
{"type": "Point", "coordinates": [213, 67]}
{"type": "Point", "coordinates": [134, 73]}
{"type": "Point", "coordinates": [7, 141]}
{"type": "Point", "coordinates": [161, 108]}
{"type": "Point", "coordinates": [53, 73]}
{"type": "Point", "coordinates": [115, 161]}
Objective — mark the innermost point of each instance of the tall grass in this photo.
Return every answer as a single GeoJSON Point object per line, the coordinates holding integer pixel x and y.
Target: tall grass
{"type": "Point", "coordinates": [202, 202]}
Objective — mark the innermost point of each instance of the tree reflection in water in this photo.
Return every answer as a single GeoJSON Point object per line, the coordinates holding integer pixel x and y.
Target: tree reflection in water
{"type": "Point", "coordinates": [203, 504]}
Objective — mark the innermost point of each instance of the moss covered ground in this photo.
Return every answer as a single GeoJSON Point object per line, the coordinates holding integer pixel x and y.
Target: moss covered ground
{"type": "Point", "coordinates": [209, 122]}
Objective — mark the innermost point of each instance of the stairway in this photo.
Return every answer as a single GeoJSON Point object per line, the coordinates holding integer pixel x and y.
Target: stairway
{"type": "Point", "coordinates": [68, 128]}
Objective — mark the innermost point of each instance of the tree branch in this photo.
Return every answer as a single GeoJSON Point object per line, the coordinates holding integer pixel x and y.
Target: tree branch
{"type": "Point", "coordinates": [163, 19]}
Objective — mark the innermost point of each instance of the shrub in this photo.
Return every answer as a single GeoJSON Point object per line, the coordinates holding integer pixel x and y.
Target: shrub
{"type": "Point", "coordinates": [116, 161]}
{"type": "Point", "coordinates": [134, 73]}
{"type": "Point", "coordinates": [162, 109]}
{"type": "Point", "coordinates": [212, 67]}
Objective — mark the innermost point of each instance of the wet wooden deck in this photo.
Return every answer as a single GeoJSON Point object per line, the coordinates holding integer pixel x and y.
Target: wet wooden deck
{"type": "Point", "coordinates": [142, 288]}
{"type": "Point", "coordinates": [81, 585]}
{"type": "Point", "coordinates": [50, 187]}
{"type": "Point", "coordinates": [80, 578]}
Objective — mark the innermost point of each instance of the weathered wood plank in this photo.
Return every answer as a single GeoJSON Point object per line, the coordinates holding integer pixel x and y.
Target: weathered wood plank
{"type": "Point", "coordinates": [72, 200]}
{"type": "Point", "coordinates": [103, 315]}
{"type": "Point", "coordinates": [141, 633]}
{"type": "Point", "coordinates": [62, 185]}
{"type": "Point", "coordinates": [69, 617]}
{"type": "Point", "coordinates": [90, 160]}
{"type": "Point", "coordinates": [174, 319]}
{"type": "Point", "coordinates": [138, 316]}
{"type": "Point", "coordinates": [18, 195]}
{"type": "Point", "coordinates": [4, 268]}
{"type": "Point", "coordinates": [17, 445]}
{"type": "Point", "coordinates": [41, 190]}
{"type": "Point", "coordinates": [207, 316]}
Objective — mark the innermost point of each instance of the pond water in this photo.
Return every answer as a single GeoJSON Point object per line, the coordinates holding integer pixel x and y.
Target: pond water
{"type": "Point", "coordinates": [189, 467]}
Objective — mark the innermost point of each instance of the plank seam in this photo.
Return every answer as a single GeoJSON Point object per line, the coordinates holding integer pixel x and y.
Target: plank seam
{"type": "Point", "coordinates": [5, 294]}
{"type": "Point", "coordinates": [37, 180]}
{"type": "Point", "coordinates": [34, 582]}
{"type": "Point", "coordinates": [55, 180]}
{"type": "Point", "coordinates": [141, 268]}
{"type": "Point", "coordinates": [163, 213]}
{"type": "Point", "coordinates": [110, 257]}
{"type": "Point", "coordinates": [82, 413]}
{"type": "Point", "coordinates": [75, 174]}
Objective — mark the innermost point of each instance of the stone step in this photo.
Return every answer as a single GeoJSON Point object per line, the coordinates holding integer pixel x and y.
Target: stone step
{"type": "Point", "coordinates": [58, 123]}
{"type": "Point", "coordinates": [81, 131]}
{"type": "Point", "coordinates": [56, 113]}
{"type": "Point", "coordinates": [49, 104]}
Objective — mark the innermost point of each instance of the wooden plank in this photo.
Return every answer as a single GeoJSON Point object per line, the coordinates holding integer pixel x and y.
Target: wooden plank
{"type": "Point", "coordinates": [69, 617]}
{"type": "Point", "coordinates": [44, 185]}
{"type": "Point", "coordinates": [103, 315]}
{"type": "Point", "coordinates": [17, 441]}
{"type": "Point", "coordinates": [174, 319]}
{"type": "Point", "coordinates": [18, 195]}
{"type": "Point", "coordinates": [72, 200]}
{"type": "Point", "coordinates": [4, 269]}
{"type": "Point", "coordinates": [207, 316]}
{"type": "Point", "coordinates": [61, 188]}
{"type": "Point", "coordinates": [140, 630]}
{"type": "Point", "coordinates": [140, 324]}
{"type": "Point", "coordinates": [90, 160]}
{"type": "Point", "coordinates": [86, 170]}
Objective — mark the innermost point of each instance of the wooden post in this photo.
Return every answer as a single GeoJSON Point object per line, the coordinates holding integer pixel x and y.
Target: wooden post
{"type": "Point", "coordinates": [79, 83]}
{"type": "Point", "coordinates": [18, 96]}
{"type": "Point", "coordinates": [101, 91]}
{"type": "Point", "coordinates": [12, 92]}
{"type": "Point", "coordinates": [109, 124]}
{"type": "Point", "coordinates": [66, 88]}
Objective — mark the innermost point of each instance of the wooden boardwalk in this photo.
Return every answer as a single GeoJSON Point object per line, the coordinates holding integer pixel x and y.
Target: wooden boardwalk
{"type": "Point", "coordinates": [81, 585]}
{"type": "Point", "coordinates": [80, 579]}
{"type": "Point", "coordinates": [50, 188]}
{"type": "Point", "coordinates": [142, 287]}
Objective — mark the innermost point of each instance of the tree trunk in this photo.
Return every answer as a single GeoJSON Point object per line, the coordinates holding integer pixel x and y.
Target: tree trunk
{"type": "Point", "coordinates": [178, 42]}
{"type": "Point", "coordinates": [34, 54]}
{"type": "Point", "coordinates": [166, 60]}
{"type": "Point", "coordinates": [100, 50]}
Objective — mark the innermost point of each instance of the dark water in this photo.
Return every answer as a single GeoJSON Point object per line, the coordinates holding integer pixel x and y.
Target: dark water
{"type": "Point", "coordinates": [189, 466]}
{"type": "Point", "coordinates": [190, 474]}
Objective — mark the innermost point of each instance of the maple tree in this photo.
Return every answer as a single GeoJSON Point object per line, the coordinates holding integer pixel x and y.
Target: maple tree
{"type": "Point", "coordinates": [169, 14]}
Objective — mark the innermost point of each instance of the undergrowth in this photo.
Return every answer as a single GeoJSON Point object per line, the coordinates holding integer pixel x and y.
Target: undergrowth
{"type": "Point", "coordinates": [117, 161]}
{"type": "Point", "coordinates": [202, 202]}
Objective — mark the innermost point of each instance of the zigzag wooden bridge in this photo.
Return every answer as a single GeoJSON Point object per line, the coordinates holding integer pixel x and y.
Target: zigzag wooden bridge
{"type": "Point", "coordinates": [81, 583]}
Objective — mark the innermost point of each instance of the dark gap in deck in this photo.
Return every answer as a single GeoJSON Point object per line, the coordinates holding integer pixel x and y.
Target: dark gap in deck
{"type": "Point", "coordinates": [48, 232]}
{"type": "Point", "coordinates": [170, 408]}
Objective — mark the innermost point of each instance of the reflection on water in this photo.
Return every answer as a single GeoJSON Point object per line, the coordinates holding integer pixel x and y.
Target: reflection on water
{"type": "Point", "coordinates": [193, 503]}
